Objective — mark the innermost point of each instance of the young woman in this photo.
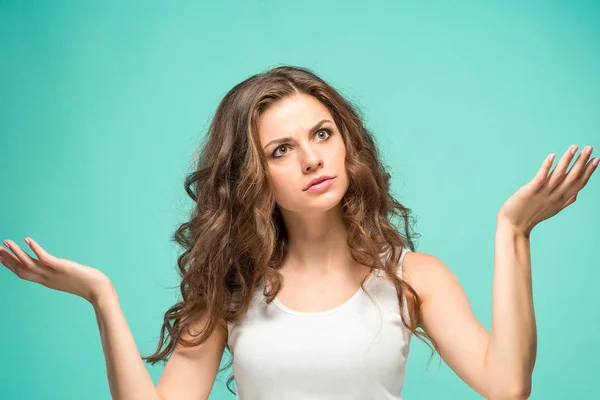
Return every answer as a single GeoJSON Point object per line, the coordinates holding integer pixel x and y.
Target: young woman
{"type": "Point", "coordinates": [291, 263]}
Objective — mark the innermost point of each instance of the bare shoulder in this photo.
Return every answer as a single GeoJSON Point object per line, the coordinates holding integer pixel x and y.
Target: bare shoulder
{"type": "Point", "coordinates": [425, 273]}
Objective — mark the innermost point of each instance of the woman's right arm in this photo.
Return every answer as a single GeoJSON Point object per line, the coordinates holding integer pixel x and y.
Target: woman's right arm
{"type": "Point", "coordinates": [188, 374]}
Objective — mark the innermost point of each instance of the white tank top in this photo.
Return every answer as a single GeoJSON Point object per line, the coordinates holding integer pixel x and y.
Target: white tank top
{"type": "Point", "coordinates": [356, 351]}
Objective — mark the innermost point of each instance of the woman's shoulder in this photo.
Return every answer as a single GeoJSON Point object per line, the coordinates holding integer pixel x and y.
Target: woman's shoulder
{"type": "Point", "coordinates": [423, 271]}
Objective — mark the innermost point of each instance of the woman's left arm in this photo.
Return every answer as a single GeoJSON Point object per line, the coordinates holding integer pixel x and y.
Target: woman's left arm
{"type": "Point", "coordinates": [497, 364]}
{"type": "Point", "coordinates": [512, 344]}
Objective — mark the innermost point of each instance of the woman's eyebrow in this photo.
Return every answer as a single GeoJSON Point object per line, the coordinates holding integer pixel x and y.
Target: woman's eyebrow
{"type": "Point", "coordinates": [288, 139]}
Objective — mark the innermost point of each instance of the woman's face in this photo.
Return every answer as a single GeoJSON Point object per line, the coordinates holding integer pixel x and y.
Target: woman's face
{"type": "Point", "coordinates": [313, 147]}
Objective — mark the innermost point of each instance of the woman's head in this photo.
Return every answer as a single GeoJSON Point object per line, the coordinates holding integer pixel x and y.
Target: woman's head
{"type": "Point", "coordinates": [235, 238]}
{"type": "Point", "coordinates": [288, 102]}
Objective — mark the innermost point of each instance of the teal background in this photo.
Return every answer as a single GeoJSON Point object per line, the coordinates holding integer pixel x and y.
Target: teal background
{"type": "Point", "coordinates": [102, 105]}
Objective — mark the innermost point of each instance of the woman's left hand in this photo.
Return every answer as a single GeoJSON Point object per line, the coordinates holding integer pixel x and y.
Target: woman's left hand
{"type": "Point", "coordinates": [546, 195]}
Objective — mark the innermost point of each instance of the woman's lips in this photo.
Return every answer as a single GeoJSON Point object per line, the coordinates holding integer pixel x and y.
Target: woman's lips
{"type": "Point", "coordinates": [321, 185]}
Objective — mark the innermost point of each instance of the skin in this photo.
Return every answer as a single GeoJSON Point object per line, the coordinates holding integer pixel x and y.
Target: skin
{"type": "Point", "coordinates": [318, 262]}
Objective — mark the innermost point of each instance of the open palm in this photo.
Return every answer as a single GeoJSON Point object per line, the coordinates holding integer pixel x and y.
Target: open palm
{"type": "Point", "coordinates": [547, 194]}
{"type": "Point", "coordinates": [52, 272]}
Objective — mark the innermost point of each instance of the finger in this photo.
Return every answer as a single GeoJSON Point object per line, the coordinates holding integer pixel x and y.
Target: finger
{"type": "Point", "coordinates": [16, 266]}
{"type": "Point", "coordinates": [542, 173]}
{"type": "Point", "coordinates": [583, 180]}
{"type": "Point", "coordinates": [42, 255]}
{"type": "Point", "coordinates": [589, 170]}
{"type": "Point", "coordinates": [558, 174]}
{"type": "Point", "coordinates": [25, 259]}
{"type": "Point", "coordinates": [6, 264]}
{"type": "Point", "coordinates": [7, 255]}
{"type": "Point", "coordinates": [573, 177]}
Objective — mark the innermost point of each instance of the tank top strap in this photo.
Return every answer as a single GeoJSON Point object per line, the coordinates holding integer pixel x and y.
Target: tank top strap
{"type": "Point", "coordinates": [405, 251]}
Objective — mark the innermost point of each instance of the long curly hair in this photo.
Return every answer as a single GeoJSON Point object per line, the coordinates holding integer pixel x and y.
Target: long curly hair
{"type": "Point", "coordinates": [235, 238]}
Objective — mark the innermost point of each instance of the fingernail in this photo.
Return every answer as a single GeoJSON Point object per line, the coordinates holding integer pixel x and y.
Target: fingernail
{"type": "Point", "coordinates": [595, 162]}
{"type": "Point", "coordinates": [6, 243]}
{"type": "Point", "coordinates": [574, 149]}
{"type": "Point", "coordinates": [27, 241]}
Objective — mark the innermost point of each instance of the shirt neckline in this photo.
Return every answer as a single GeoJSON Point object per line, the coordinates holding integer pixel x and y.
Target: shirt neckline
{"type": "Point", "coordinates": [354, 297]}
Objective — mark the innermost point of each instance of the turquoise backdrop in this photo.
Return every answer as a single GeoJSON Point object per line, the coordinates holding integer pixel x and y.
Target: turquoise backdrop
{"type": "Point", "coordinates": [103, 104]}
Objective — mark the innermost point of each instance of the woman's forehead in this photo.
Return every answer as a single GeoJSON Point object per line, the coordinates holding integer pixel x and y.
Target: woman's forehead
{"type": "Point", "coordinates": [290, 116]}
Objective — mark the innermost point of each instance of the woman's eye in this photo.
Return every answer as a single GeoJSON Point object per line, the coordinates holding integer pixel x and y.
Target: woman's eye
{"type": "Point", "coordinates": [284, 146]}
{"type": "Point", "coordinates": [281, 147]}
{"type": "Point", "coordinates": [323, 130]}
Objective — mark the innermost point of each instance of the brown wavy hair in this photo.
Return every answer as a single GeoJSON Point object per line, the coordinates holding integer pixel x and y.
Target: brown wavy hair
{"type": "Point", "coordinates": [235, 238]}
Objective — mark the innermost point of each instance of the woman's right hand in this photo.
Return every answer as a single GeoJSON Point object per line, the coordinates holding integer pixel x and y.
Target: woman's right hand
{"type": "Point", "coordinates": [54, 273]}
